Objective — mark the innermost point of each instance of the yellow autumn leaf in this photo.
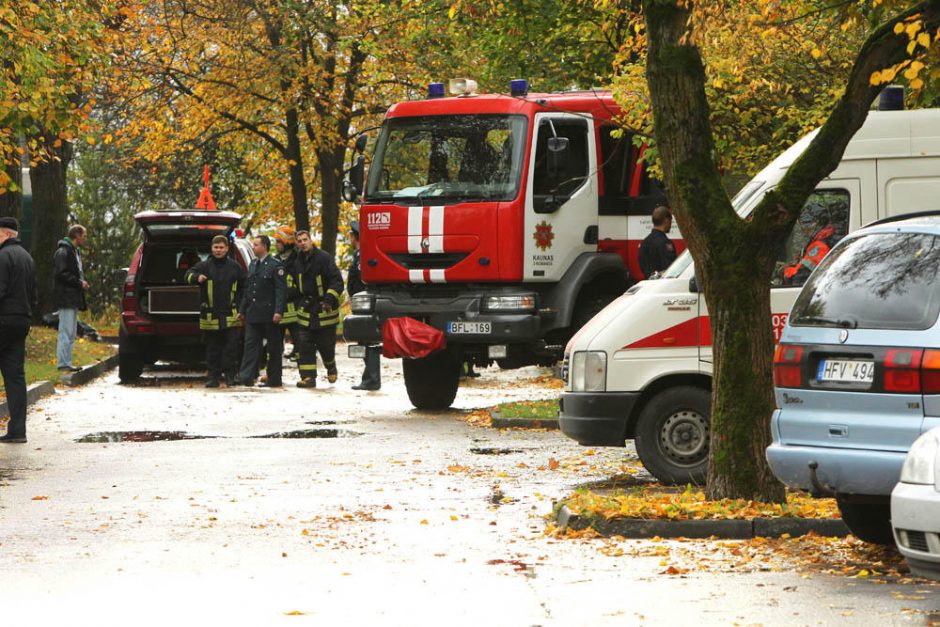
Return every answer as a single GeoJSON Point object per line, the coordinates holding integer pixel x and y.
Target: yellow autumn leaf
{"type": "Point", "coordinates": [917, 84]}
{"type": "Point", "coordinates": [898, 28]}
{"type": "Point", "coordinates": [816, 53]}
{"type": "Point", "coordinates": [924, 40]}
{"type": "Point", "coordinates": [875, 78]}
{"type": "Point", "coordinates": [424, 521]}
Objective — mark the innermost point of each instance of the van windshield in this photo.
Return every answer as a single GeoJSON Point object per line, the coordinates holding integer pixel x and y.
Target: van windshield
{"type": "Point", "coordinates": [448, 158]}
{"type": "Point", "coordinates": [878, 281]}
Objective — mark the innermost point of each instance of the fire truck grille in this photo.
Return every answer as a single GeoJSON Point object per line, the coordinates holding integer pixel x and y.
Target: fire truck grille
{"type": "Point", "coordinates": [430, 261]}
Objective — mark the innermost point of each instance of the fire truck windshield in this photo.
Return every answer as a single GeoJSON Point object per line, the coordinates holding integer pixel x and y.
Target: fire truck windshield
{"type": "Point", "coordinates": [447, 159]}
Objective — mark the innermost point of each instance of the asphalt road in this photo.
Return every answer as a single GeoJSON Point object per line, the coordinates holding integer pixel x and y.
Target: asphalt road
{"type": "Point", "coordinates": [382, 515]}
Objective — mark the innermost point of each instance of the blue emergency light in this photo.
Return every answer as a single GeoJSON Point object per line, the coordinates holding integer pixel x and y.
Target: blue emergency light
{"type": "Point", "coordinates": [435, 90]}
{"type": "Point", "coordinates": [518, 87]}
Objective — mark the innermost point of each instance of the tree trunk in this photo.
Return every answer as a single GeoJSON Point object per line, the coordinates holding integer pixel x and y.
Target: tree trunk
{"type": "Point", "coordinates": [331, 182]}
{"type": "Point", "coordinates": [295, 161]}
{"type": "Point", "coordinates": [11, 203]}
{"type": "Point", "coordinates": [50, 215]}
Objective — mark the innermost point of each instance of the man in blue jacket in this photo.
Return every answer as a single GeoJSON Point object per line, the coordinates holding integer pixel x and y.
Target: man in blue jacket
{"type": "Point", "coordinates": [263, 303]}
{"type": "Point", "coordinates": [18, 297]}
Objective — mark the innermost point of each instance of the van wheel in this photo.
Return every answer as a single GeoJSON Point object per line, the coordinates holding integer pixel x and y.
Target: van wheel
{"type": "Point", "coordinates": [129, 367]}
{"type": "Point", "coordinates": [869, 522]}
{"type": "Point", "coordinates": [433, 380]}
{"type": "Point", "coordinates": [672, 435]}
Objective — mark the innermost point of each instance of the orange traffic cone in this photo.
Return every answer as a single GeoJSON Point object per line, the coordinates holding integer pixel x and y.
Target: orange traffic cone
{"type": "Point", "coordinates": [205, 196]}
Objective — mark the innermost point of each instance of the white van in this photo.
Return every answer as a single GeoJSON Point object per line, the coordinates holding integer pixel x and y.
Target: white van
{"type": "Point", "coordinates": [641, 369]}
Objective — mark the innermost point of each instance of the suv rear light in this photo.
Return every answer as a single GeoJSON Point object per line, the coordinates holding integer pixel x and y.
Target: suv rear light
{"type": "Point", "coordinates": [129, 286]}
{"type": "Point", "coordinates": [930, 372]}
{"type": "Point", "coordinates": [902, 370]}
{"type": "Point", "coordinates": [788, 366]}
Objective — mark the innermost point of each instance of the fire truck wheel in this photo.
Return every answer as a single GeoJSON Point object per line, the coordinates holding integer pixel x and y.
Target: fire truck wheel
{"type": "Point", "coordinates": [432, 381]}
{"type": "Point", "coordinates": [672, 435]}
{"type": "Point", "coordinates": [589, 307]}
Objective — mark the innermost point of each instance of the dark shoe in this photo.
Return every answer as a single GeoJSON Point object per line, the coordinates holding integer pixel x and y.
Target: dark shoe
{"type": "Point", "coordinates": [9, 439]}
{"type": "Point", "coordinates": [308, 382]}
{"type": "Point", "coordinates": [331, 376]}
{"type": "Point", "coordinates": [368, 388]}
{"type": "Point", "coordinates": [212, 383]}
{"type": "Point", "coordinates": [248, 383]}
{"type": "Point", "coordinates": [70, 368]}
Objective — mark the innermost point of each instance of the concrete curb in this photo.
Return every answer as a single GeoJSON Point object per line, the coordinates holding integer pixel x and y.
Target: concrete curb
{"type": "Point", "coordinates": [85, 375]}
{"type": "Point", "coordinates": [522, 423]}
{"type": "Point", "coordinates": [36, 391]}
{"type": "Point", "coordinates": [727, 529]}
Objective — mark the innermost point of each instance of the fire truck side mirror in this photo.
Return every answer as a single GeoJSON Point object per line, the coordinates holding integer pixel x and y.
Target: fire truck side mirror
{"type": "Point", "coordinates": [557, 157]}
{"type": "Point", "coordinates": [361, 143]}
{"type": "Point", "coordinates": [352, 187]}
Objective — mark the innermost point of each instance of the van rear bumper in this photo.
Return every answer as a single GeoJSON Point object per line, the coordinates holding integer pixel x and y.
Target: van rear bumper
{"type": "Point", "coordinates": [596, 418]}
{"type": "Point", "coordinates": [846, 471]}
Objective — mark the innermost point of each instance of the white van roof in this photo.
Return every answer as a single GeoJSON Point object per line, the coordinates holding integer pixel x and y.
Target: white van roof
{"type": "Point", "coordinates": [885, 135]}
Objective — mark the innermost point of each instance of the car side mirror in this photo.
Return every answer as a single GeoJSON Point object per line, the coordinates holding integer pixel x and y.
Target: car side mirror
{"type": "Point", "coordinates": [557, 156]}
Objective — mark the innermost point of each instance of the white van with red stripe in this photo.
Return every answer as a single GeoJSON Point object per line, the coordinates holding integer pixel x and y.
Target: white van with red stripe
{"type": "Point", "coordinates": [505, 221]}
{"type": "Point", "coordinates": [641, 369]}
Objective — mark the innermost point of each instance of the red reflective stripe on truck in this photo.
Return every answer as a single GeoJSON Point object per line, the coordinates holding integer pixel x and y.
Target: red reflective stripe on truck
{"type": "Point", "coordinates": [683, 334]}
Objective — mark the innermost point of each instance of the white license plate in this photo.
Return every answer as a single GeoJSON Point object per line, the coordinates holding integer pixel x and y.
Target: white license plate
{"type": "Point", "coordinates": [846, 370]}
{"type": "Point", "coordinates": [459, 328]}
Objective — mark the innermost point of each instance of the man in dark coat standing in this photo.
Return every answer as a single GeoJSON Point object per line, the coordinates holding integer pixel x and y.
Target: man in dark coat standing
{"type": "Point", "coordinates": [70, 286]}
{"type": "Point", "coordinates": [262, 308]}
{"type": "Point", "coordinates": [18, 297]}
{"type": "Point", "coordinates": [372, 374]}
{"type": "Point", "coordinates": [220, 281]}
{"type": "Point", "coordinates": [657, 252]}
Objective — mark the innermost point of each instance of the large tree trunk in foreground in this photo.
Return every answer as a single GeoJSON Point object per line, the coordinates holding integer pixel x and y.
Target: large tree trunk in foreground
{"type": "Point", "coordinates": [734, 258]}
{"type": "Point", "coordinates": [50, 215]}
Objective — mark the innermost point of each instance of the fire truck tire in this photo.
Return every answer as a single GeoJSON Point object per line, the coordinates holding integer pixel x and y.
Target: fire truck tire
{"type": "Point", "coordinates": [869, 522]}
{"type": "Point", "coordinates": [672, 435]}
{"type": "Point", "coordinates": [432, 382]}
{"type": "Point", "coordinates": [588, 308]}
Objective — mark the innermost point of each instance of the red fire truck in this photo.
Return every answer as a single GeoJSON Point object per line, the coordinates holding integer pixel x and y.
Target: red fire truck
{"type": "Point", "coordinates": [506, 221]}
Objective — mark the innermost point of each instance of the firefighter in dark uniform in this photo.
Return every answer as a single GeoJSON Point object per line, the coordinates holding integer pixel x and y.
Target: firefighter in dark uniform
{"type": "Point", "coordinates": [220, 281]}
{"type": "Point", "coordinates": [287, 255]}
{"type": "Point", "coordinates": [18, 299]}
{"type": "Point", "coordinates": [263, 306]}
{"type": "Point", "coordinates": [321, 285]}
{"type": "Point", "coordinates": [372, 374]}
{"type": "Point", "coordinates": [657, 252]}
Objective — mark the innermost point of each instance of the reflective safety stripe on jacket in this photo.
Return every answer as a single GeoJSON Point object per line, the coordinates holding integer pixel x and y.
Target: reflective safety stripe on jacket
{"type": "Point", "coordinates": [325, 318]}
{"type": "Point", "coordinates": [209, 321]}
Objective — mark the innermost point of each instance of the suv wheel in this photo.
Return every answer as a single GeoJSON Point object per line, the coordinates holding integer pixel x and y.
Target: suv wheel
{"type": "Point", "coordinates": [432, 381]}
{"type": "Point", "coordinates": [672, 435]}
{"type": "Point", "coordinates": [129, 367]}
{"type": "Point", "coordinates": [869, 522]}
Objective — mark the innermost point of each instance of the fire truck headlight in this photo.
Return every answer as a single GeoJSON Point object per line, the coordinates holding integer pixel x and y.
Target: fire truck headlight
{"type": "Point", "coordinates": [589, 371]}
{"type": "Point", "coordinates": [362, 303]}
{"type": "Point", "coordinates": [521, 302]}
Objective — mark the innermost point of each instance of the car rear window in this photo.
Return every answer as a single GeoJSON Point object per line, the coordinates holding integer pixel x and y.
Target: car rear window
{"type": "Point", "coordinates": [878, 281]}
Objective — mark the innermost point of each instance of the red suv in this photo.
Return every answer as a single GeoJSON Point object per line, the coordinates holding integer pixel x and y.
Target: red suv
{"type": "Point", "coordinates": [159, 311]}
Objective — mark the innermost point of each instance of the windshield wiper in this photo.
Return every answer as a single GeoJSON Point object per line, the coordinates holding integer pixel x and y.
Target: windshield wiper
{"type": "Point", "coordinates": [847, 323]}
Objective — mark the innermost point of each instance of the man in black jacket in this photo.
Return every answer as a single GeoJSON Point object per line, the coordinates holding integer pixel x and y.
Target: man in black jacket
{"type": "Point", "coordinates": [263, 306]}
{"type": "Point", "coordinates": [18, 297]}
{"type": "Point", "coordinates": [70, 286]}
{"type": "Point", "coordinates": [220, 280]}
{"type": "Point", "coordinates": [657, 252]}
{"type": "Point", "coordinates": [321, 284]}
{"type": "Point", "coordinates": [371, 374]}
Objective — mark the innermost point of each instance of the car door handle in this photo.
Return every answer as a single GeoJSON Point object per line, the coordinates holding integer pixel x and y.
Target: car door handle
{"type": "Point", "coordinates": [838, 431]}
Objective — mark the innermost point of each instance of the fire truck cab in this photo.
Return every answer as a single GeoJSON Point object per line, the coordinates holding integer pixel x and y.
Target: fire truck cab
{"type": "Point", "coordinates": [506, 221]}
{"type": "Point", "coordinates": [642, 368]}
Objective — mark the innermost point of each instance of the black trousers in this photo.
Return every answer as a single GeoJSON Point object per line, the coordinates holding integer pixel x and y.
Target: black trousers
{"type": "Point", "coordinates": [222, 353]}
{"type": "Point", "coordinates": [312, 341]}
{"type": "Point", "coordinates": [255, 332]}
{"type": "Point", "coordinates": [13, 332]}
{"type": "Point", "coordinates": [372, 373]}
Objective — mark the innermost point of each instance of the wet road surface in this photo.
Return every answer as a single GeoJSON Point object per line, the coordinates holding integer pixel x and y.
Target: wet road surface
{"type": "Point", "coordinates": [165, 501]}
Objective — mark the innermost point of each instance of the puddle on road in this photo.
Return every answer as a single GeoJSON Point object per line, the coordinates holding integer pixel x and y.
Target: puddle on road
{"type": "Point", "coordinates": [311, 433]}
{"type": "Point", "coordinates": [321, 423]}
{"type": "Point", "coordinates": [494, 451]}
{"type": "Point", "coordinates": [105, 437]}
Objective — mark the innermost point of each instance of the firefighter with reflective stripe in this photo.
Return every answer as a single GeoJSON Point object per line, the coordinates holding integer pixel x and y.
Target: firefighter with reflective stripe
{"type": "Point", "coordinates": [814, 252]}
{"type": "Point", "coordinates": [220, 281]}
{"type": "Point", "coordinates": [320, 284]}
{"type": "Point", "coordinates": [287, 255]}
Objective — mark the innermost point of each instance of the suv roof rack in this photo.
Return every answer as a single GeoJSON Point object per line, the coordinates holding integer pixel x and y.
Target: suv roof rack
{"type": "Point", "coordinates": [904, 216]}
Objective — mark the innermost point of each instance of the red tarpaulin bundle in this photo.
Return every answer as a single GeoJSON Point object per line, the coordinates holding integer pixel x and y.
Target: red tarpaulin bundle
{"type": "Point", "coordinates": [407, 337]}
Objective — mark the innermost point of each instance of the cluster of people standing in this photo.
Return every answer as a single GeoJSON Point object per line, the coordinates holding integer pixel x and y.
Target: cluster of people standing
{"type": "Point", "coordinates": [295, 291]}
